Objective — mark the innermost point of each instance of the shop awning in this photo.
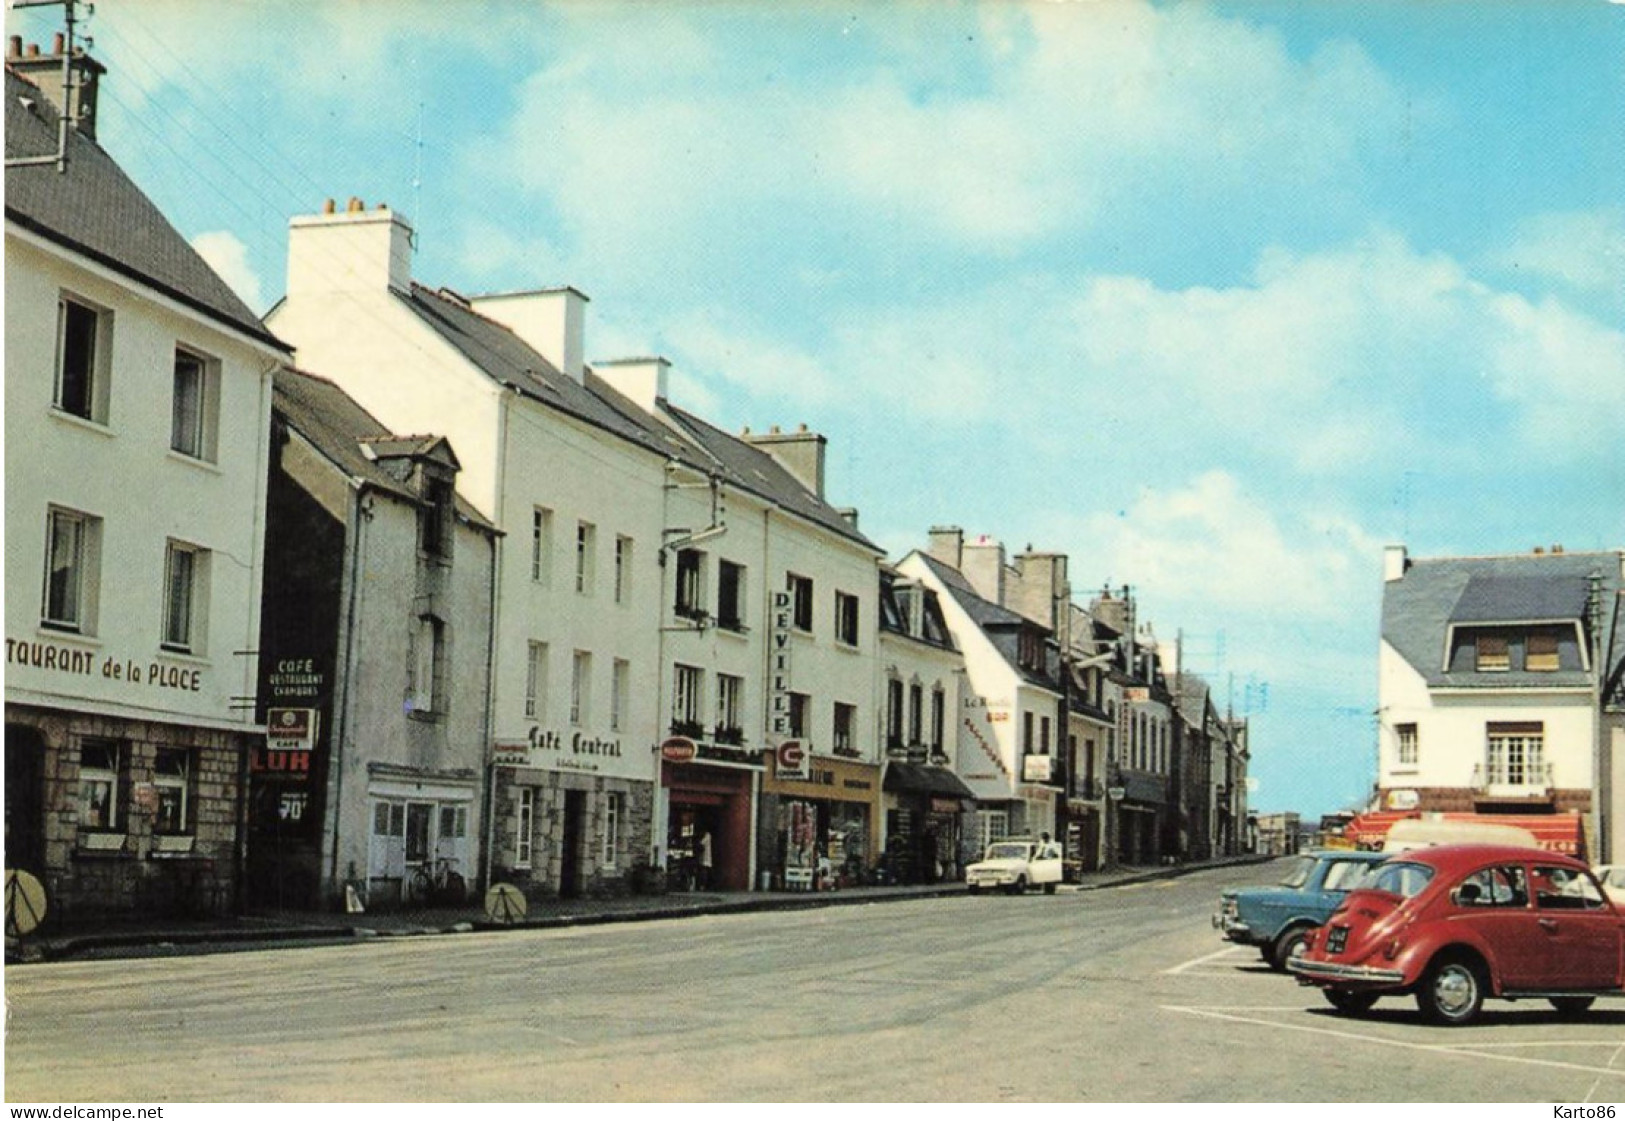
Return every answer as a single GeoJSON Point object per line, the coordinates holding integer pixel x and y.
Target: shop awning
{"type": "Point", "coordinates": [1554, 832]}
{"type": "Point", "coordinates": [921, 778]}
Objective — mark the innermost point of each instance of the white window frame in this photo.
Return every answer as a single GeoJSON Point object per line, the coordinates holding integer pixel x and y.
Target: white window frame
{"type": "Point", "coordinates": [111, 779]}
{"type": "Point", "coordinates": [801, 601]}
{"type": "Point", "coordinates": [614, 815]}
{"type": "Point", "coordinates": [524, 826]}
{"type": "Point", "coordinates": [185, 602]}
{"type": "Point", "coordinates": [82, 565]}
{"type": "Point", "coordinates": [581, 688]}
{"type": "Point", "coordinates": [623, 568]}
{"type": "Point", "coordinates": [99, 362]}
{"type": "Point", "coordinates": [847, 618]}
{"type": "Point", "coordinates": [843, 721]}
{"type": "Point", "coordinates": [620, 684]}
{"type": "Point", "coordinates": [730, 703]}
{"type": "Point", "coordinates": [586, 557]}
{"type": "Point", "coordinates": [992, 825]}
{"type": "Point", "coordinates": [536, 681]}
{"type": "Point", "coordinates": [688, 695]}
{"type": "Point", "coordinates": [175, 785]}
{"type": "Point", "coordinates": [194, 432]}
{"type": "Point", "coordinates": [688, 602]}
{"type": "Point", "coordinates": [541, 545]}
{"type": "Point", "coordinates": [1408, 740]}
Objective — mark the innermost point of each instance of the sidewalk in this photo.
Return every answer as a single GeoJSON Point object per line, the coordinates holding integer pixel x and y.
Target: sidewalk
{"type": "Point", "coordinates": [265, 930]}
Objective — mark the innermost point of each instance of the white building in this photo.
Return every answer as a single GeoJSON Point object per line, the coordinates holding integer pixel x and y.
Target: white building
{"type": "Point", "coordinates": [637, 575]}
{"type": "Point", "coordinates": [1008, 726]}
{"type": "Point", "coordinates": [1490, 675]}
{"type": "Point", "coordinates": [138, 394]}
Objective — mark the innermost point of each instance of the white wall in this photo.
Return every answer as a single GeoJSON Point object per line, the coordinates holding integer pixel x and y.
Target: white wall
{"type": "Point", "coordinates": [124, 473]}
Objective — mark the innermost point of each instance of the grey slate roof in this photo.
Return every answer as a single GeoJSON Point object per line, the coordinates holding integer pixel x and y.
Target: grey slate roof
{"type": "Point", "coordinates": [1419, 609]}
{"type": "Point", "coordinates": [94, 209]}
{"type": "Point", "coordinates": [507, 359]}
{"type": "Point", "coordinates": [337, 426]}
{"type": "Point", "coordinates": [1001, 625]}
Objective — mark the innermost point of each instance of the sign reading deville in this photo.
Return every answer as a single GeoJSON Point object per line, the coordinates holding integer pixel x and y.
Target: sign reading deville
{"type": "Point", "coordinates": [794, 762]}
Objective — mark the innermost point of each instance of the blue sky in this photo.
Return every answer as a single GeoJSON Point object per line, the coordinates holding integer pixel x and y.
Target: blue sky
{"type": "Point", "coordinates": [1217, 298]}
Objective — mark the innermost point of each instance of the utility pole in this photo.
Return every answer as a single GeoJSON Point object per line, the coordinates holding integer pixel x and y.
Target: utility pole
{"type": "Point", "coordinates": [65, 117]}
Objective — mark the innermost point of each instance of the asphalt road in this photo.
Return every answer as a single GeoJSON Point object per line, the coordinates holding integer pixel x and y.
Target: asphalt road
{"type": "Point", "coordinates": [1123, 994]}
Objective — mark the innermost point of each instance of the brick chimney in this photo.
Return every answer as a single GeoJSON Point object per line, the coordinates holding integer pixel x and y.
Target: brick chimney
{"type": "Point", "coordinates": [552, 321]}
{"type": "Point", "coordinates": [46, 71]}
{"type": "Point", "coordinates": [350, 251]}
{"type": "Point", "coordinates": [800, 452]}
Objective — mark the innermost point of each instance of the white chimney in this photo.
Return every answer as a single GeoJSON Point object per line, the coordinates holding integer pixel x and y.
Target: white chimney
{"type": "Point", "coordinates": [642, 380]}
{"type": "Point", "coordinates": [552, 321]}
{"type": "Point", "coordinates": [358, 250]}
{"type": "Point", "coordinates": [1394, 563]}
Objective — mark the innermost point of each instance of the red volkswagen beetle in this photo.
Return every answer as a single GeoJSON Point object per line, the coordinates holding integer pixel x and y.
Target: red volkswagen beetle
{"type": "Point", "coordinates": [1459, 923]}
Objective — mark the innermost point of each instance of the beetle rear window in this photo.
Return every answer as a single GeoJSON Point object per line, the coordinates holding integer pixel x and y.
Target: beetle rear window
{"type": "Point", "coordinates": [1400, 877]}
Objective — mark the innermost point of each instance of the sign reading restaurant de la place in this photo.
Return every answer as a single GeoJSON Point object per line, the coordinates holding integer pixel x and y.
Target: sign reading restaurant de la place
{"type": "Point", "coordinates": [62, 660]}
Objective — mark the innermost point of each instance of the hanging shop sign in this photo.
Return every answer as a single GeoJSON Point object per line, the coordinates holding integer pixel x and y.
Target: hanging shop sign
{"type": "Point", "coordinates": [678, 749]}
{"type": "Point", "coordinates": [510, 754]}
{"type": "Point", "coordinates": [792, 760]}
{"type": "Point", "coordinates": [1037, 768]}
{"type": "Point", "coordinates": [290, 729]}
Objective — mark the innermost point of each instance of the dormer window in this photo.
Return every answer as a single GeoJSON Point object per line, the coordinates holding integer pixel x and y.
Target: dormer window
{"type": "Point", "coordinates": [1493, 654]}
{"type": "Point", "coordinates": [1540, 654]}
{"type": "Point", "coordinates": [1030, 650]}
{"type": "Point", "coordinates": [435, 519]}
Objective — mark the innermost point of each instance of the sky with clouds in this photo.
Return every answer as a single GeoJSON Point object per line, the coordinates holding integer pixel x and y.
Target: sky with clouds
{"type": "Point", "coordinates": [1217, 298]}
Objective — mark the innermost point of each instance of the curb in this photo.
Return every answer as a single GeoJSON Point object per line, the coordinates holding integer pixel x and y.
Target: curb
{"type": "Point", "coordinates": [69, 946]}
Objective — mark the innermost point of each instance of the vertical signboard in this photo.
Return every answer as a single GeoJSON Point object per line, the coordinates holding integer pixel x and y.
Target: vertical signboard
{"type": "Point", "coordinates": [790, 765]}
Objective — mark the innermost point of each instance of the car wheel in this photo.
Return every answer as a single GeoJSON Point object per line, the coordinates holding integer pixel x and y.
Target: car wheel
{"type": "Point", "coordinates": [1049, 889]}
{"type": "Point", "coordinates": [1572, 1005]}
{"type": "Point", "coordinates": [1452, 992]}
{"type": "Point", "coordinates": [974, 888]}
{"type": "Point", "coordinates": [1019, 887]}
{"type": "Point", "coordinates": [1289, 945]}
{"type": "Point", "coordinates": [1349, 1002]}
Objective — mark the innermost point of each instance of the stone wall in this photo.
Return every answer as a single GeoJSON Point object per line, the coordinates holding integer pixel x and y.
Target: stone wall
{"type": "Point", "coordinates": [545, 873]}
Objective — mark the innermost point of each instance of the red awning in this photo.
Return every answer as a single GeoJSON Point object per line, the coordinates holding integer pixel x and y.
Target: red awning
{"type": "Point", "coordinates": [1554, 832]}
{"type": "Point", "coordinates": [1368, 830]}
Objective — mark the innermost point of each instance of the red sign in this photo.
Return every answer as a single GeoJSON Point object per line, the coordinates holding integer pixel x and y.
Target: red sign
{"type": "Point", "coordinates": [792, 756]}
{"type": "Point", "coordinates": [290, 729]}
{"type": "Point", "coordinates": [678, 749]}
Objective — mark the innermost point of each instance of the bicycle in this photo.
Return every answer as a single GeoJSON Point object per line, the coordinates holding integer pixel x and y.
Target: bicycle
{"type": "Point", "coordinates": [442, 884]}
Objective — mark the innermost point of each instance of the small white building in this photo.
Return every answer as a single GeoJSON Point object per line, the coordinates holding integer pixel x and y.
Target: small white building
{"type": "Point", "coordinates": [138, 396]}
{"type": "Point", "coordinates": [1490, 679]}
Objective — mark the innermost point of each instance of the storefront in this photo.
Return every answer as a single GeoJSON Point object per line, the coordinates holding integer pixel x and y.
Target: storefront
{"type": "Point", "coordinates": [819, 831]}
{"type": "Point", "coordinates": [420, 848]}
{"type": "Point", "coordinates": [925, 808]}
{"type": "Point", "coordinates": [709, 790]}
{"type": "Point", "coordinates": [1081, 838]}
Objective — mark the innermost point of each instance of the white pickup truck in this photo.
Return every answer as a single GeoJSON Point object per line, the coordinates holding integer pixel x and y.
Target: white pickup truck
{"type": "Point", "coordinates": [1015, 864]}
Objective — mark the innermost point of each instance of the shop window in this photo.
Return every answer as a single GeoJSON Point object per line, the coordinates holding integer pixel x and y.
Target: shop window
{"type": "Point", "coordinates": [83, 333]}
{"type": "Point", "coordinates": [101, 770]}
{"type": "Point", "coordinates": [614, 815]}
{"type": "Point", "coordinates": [524, 821]}
{"type": "Point", "coordinates": [730, 595]}
{"type": "Point", "coordinates": [453, 822]}
{"type": "Point", "coordinates": [801, 597]}
{"type": "Point", "coordinates": [186, 571]}
{"type": "Point", "coordinates": [172, 776]}
{"type": "Point", "coordinates": [195, 406]}
{"type": "Point", "coordinates": [72, 571]}
{"type": "Point", "coordinates": [846, 619]}
{"type": "Point", "coordinates": [992, 825]}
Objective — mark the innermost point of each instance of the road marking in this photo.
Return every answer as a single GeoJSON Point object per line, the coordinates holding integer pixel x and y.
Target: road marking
{"type": "Point", "coordinates": [1429, 1048]}
{"type": "Point", "coordinates": [1204, 959]}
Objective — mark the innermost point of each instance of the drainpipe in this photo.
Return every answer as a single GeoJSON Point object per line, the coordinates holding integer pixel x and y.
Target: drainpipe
{"type": "Point", "coordinates": [339, 737]}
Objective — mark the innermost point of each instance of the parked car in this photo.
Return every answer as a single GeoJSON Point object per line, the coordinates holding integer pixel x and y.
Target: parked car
{"type": "Point", "coordinates": [1278, 919]}
{"type": "Point", "coordinates": [1612, 879]}
{"type": "Point", "coordinates": [1015, 864]}
{"type": "Point", "coordinates": [1461, 923]}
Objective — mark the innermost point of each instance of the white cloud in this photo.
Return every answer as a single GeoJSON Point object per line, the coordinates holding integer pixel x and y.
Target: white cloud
{"type": "Point", "coordinates": [228, 256]}
{"type": "Point", "coordinates": [1582, 250]}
